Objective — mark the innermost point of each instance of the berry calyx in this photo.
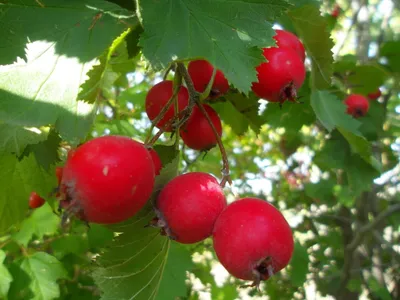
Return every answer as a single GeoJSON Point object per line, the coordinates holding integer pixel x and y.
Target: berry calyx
{"type": "Point", "coordinates": [375, 95]}
{"type": "Point", "coordinates": [35, 201]}
{"type": "Point", "coordinates": [189, 205]}
{"type": "Point", "coordinates": [158, 96]}
{"type": "Point", "coordinates": [280, 77]}
{"type": "Point", "coordinates": [201, 72]}
{"type": "Point", "coordinates": [357, 105]}
{"type": "Point", "coordinates": [156, 161]}
{"type": "Point", "coordinates": [107, 180]}
{"type": "Point", "coordinates": [252, 239]}
{"type": "Point", "coordinates": [197, 132]}
{"type": "Point", "coordinates": [286, 39]}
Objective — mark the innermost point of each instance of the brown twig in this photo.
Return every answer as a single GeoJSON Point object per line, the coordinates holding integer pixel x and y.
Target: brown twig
{"type": "Point", "coordinates": [195, 99]}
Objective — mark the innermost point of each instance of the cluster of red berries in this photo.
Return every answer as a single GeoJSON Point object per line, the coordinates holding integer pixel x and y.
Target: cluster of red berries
{"type": "Point", "coordinates": [358, 105]}
{"type": "Point", "coordinates": [196, 132]}
{"type": "Point", "coordinates": [110, 178]}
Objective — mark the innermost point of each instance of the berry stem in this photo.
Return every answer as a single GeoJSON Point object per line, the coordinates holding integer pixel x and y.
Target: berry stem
{"type": "Point", "coordinates": [204, 95]}
{"type": "Point", "coordinates": [194, 98]}
{"type": "Point", "coordinates": [162, 113]}
{"type": "Point", "coordinates": [225, 167]}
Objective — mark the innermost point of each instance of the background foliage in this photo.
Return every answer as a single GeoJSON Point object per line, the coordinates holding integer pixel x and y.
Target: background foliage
{"type": "Point", "coordinates": [73, 70]}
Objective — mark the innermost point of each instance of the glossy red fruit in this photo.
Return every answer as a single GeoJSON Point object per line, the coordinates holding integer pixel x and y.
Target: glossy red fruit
{"type": "Point", "coordinates": [197, 133]}
{"type": "Point", "coordinates": [375, 95]}
{"type": "Point", "coordinates": [158, 96]}
{"type": "Point", "coordinates": [357, 105]}
{"type": "Point", "coordinates": [108, 179]}
{"type": "Point", "coordinates": [286, 39]}
{"type": "Point", "coordinates": [336, 11]}
{"type": "Point", "coordinates": [35, 200]}
{"type": "Point", "coordinates": [201, 71]}
{"type": "Point", "coordinates": [59, 173]}
{"type": "Point", "coordinates": [280, 77]}
{"type": "Point", "coordinates": [189, 204]}
{"type": "Point", "coordinates": [156, 161]}
{"type": "Point", "coordinates": [252, 239]}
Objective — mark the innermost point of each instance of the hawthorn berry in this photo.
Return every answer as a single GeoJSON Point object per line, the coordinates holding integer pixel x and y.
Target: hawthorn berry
{"type": "Point", "coordinates": [252, 239]}
{"type": "Point", "coordinates": [336, 11]}
{"type": "Point", "coordinates": [107, 180]}
{"type": "Point", "coordinates": [197, 132]}
{"type": "Point", "coordinates": [286, 39]}
{"type": "Point", "coordinates": [35, 200]}
{"type": "Point", "coordinates": [158, 96]}
{"type": "Point", "coordinates": [280, 77]}
{"type": "Point", "coordinates": [357, 105]}
{"type": "Point", "coordinates": [201, 71]}
{"type": "Point", "coordinates": [188, 206]}
{"type": "Point", "coordinates": [156, 161]}
{"type": "Point", "coordinates": [375, 95]}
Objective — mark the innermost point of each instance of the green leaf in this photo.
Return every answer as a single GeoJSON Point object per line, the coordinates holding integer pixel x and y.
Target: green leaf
{"type": "Point", "coordinates": [102, 76]}
{"type": "Point", "coordinates": [232, 117]}
{"type": "Point", "coordinates": [248, 108]}
{"type": "Point", "coordinates": [5, 277]}
{"type": "Point", "coordinates": [46, 152]}
{"type": "Point", "coordinates": [69, 244]}
{"type": "Point", "coordinates": [332, 155]}
{"type": "Point", "coordinates": [226, 292]}
{"type": "Point", "coordinates": [99, 236]}
{"type": "Point", "coordinates": [179, 261]}
{"type": "Point", "coordinates": [299, 265]}
{"type": "Point", "coordinates": [321, 190]}
{"type": "Point", "coordinates": [332, 113]}
{"type": "Point", "coordinates": [139, 259]}
{"type": "Point", "coordinates": [312, 29]}
{"type": "Point", "coordinates": [344, 195]}
{"type": "Point", "coordinates": [15, 138]}
{"type": "Point", "coordinates": [44, 270]}
{"type": "Point", "coordinates": [361, 146]}
{"type": "Point", "coordinates": [223, 32]}
{"type": "Point", "coordinates": [390, 50]}
{"type": "Point", "coordinates": [47, 96]}
{"type": "Point", "coordinates": [41, 222]}
{"type": "Point", "coordinates": [366, 78]}
{"type": "Point", "coordinates": [81, 29]}
{"type": "Point", "coordinates": [360, 174]}
{"type": "Point", "coordinates": [19, 179]}
{"type": "Point", "coordinates": [379, 289]}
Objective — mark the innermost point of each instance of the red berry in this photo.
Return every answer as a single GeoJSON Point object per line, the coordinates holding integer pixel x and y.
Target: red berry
{"type": "Point", "coordinates": [280, 77]}
{"type": "Point", "coordinates": [35, 200]}
{"type": "Point", "coordinates": [286, 39]}
{"type": "Point", "coordinates": [156, 161]}
{"type": "Point", "coordinates": [201, 71]}
{"type": "Point", "coordinates": [59, 173]}
{"type": "Point", "coordinates": [158, 96]}
{"type": "Point", "coordinates": [357, 105]}
{"type": "Point", "coordinates": [252, 239]}
{"type": "Point", "coordinates": [336, 11]}
{"type": "Point", "coordinates": [375, 95]}
{"type": "Point", "coordinates": [197, 132]}
{"type": "Point", "coordinates": [108, 179]}
{"type": "Point", "coordinates": [189, 204]}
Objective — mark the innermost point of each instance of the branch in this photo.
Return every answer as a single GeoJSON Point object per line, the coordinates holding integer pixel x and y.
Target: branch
{"type": "Point", "coordinates": [370, 226]}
